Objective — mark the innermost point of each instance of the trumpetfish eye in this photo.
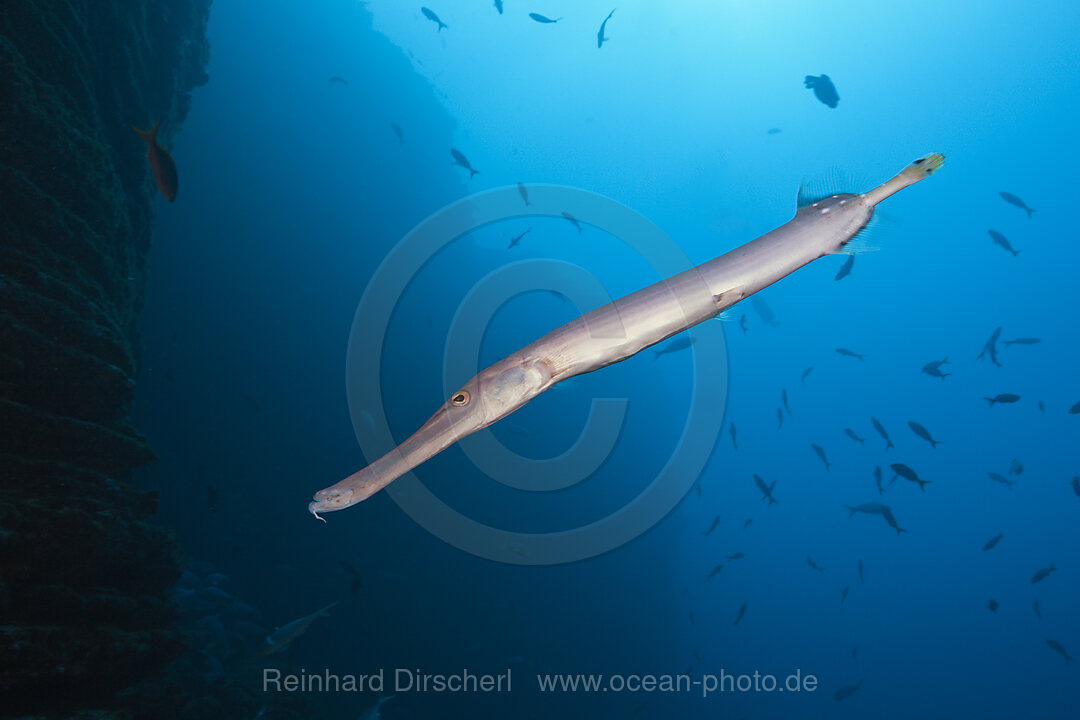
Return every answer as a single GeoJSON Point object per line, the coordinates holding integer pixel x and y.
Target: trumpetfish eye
{"type": "Point", "coordinates": [460, 399]}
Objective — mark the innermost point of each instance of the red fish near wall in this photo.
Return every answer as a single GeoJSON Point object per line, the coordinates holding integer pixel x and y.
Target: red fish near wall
{"type": "Point", "coordinates": [161, 164]}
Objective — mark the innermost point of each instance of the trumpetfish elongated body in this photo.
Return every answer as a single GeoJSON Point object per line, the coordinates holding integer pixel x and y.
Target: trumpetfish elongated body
{"type": "Point", "coordinates": [625, 327]}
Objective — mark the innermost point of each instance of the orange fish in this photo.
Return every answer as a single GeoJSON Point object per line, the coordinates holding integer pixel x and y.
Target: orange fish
{"type": "Point", "coordinates": [161, 164]}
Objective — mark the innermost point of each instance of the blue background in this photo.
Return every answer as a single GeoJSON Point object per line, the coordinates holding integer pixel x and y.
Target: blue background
{"type": "Point", "coordinates": [294, 188]}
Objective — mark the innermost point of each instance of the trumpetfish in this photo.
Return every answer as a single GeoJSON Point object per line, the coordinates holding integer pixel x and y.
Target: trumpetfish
{"type": "Point", "coordinates": [625, 327]}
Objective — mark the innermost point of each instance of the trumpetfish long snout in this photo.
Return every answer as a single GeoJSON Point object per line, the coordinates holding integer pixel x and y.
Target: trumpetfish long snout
{"type": "Point", "coordinates": [627, 326]}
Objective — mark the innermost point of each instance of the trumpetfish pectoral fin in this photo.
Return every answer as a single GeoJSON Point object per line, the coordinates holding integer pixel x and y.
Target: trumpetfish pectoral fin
{"type": "Point", "coordinates": [862, 242]}
{"type": "Point", "coordinates": [922, 168]}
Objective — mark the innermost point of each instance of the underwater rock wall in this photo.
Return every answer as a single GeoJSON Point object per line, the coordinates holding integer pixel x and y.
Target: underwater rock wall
{"type": "Point", "coordinates": [83, 576]}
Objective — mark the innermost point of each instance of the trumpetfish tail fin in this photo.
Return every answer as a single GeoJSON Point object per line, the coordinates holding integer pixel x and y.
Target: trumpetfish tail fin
{"type": "Point", "coordinates": [922, 168]}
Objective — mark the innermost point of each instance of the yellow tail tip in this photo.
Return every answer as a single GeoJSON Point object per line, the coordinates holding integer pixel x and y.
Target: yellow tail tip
{"type": "Point", "coordinates": [926, 165]}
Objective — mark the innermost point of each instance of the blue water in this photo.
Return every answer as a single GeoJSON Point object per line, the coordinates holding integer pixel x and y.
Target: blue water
{"type": "Point", "coordinates": [294, 189]}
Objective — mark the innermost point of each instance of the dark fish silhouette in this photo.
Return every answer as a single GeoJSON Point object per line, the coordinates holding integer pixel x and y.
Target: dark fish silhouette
{"type": "Point", "coordinates": [461, 161]}
{"type": "Point", "coordinates": [1013, 200]}
{"type": "Point", "coordinates": [515, 241]}
{"type": "Point", "coordinates": [923, 433]}
{"type": "Point", "coordinates": [821, 454]}
{"type": "Point", "coordinates": [1016, 467]}
{"type": "Point", "coordinates": [823, 88]}
{"type": "Point", "coordinates": [338, 79]}
{"type": "Point", "coordinates": [854, 436]}
{"type": "Point", "coordinates": [573, 220]}
{"type": "Point", "coordinates": [875, 508]}
{"type": "Point", "coordinates": [1004, 398]}
{"type": "Point", "coordinates": [990, 348]}
{"type": "Point", "coordinates": [398, 132]}
{"type": "Point", "coordinates": [282, 638]}
{"type": "Point", "coordinates": [881, 431]}
{"type": "Point", "coordinates": [1038, 611]}
{"type": "Point", "coordinates": [806, 374]}
{"type": "Point", "coordinates": [1076, 486]}
{"type": "Point", "coordinates": [742, 323]}
{"type": "Point", "coordinates": [847, 691]}
{"type": "Point", "coordinates": [1023, 341]}
{"type": "Point", "coordinates": [433, 18]}
{"type": "Point", "coordinates": [162, 166]}
{"type": "Point", "coordinates": [992, 542]}
{"type": "Point", "coordinates": [357, 578]}
{"type": "Point", "coordinates": [524, 193]}
{"type": "Point", "coordinates": [680, 343]}
{"type": "Point", "coordinates": [877, 480]}
{"type": "Point", "coordinates": [860, 571]}
{"type": "Point", "coordinates": [907, 473]}
{"type": "Point", "coordinates": [742, 612]}
{"type": "Point", "coordinates": [499, 6]}
{"type": "Point", "coordinates": [736, 556]}
{"type": "Point", "coordinates": [1075, 409]}
{"type": "Point", "coordinates": [766, 494]}
{"type": "Point", "coordinates": [543, 18]}
{"type": "Point", "coordinates": [1001, 479]}
{"type": "Point", "coordinates": [715, 524]}
{"type": "Point", "coordinates": [844, 593]}
{"type": "Point", "coordinates": [600, 39]}
{"type": "Point", "coordinates": [763, 310]}
{"type": "Point", "coordinates": [714, 571]}
{"type": "Point", "coordinates": [697, 486]}
{"type": "Point", "coordinates": [1002, 241]}
{"type": "Point", "coordinates": [780, 418]}
{"type": "Point", "coordinates": [933, 369]}
{"type": "Point", "coordinates": [750, 520]}
{"type": "Point", "coordinates": [774, 131]}
{"type": "Point", "coordinates": [783, 399]}
{"type": "Point", "coordinates": [849, 353]}
{"type": "Point", "coordinates": [845, 269]}
{"type": "Point", "coordinates": [1059, 649]}
{"type": "Point", "coordinates": [348, 568]}
{"type": "Point", "coordinates": [733, 442]}
{"type": "Point", "coordinates": [814, 565]}
{"type": "Point", "coordinates": [992, 606]}
{"type": "Point", "coordinates": [1042, 574]}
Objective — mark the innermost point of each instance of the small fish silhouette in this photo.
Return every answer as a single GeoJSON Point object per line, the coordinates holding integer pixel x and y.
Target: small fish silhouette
{"type": "Point", "coordinates": [461, 161]}
{"type": "Point", "coordinates": [430, 15]}
{"type": "Point", "coordinates": [1003, 242]}
{"type": "Point", "coordinates": [600, 39]}
{"type": "Point", "coordinates": [845, 269]}
{"type": "Point", "coordinates": [1014, 200]}
{"type": "Point", "coordinates": [823, 88]}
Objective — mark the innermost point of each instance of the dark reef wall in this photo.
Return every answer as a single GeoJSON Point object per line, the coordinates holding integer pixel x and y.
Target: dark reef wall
{"type": "Point", "coordinates": [83, 576]}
